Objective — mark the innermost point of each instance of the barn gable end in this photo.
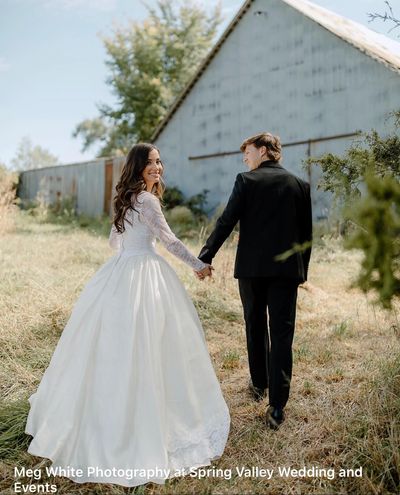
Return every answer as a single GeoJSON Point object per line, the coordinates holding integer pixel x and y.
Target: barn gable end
{"type": "Point", "coordinates": [277, 68]}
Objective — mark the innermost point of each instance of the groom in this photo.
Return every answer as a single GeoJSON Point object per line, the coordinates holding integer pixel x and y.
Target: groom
{"type": "Point", "coordinates": [273, 207]}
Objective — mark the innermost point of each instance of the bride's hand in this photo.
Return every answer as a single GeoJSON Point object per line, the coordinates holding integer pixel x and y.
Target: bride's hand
{"type": "Point", "coordinates": [205, 272]}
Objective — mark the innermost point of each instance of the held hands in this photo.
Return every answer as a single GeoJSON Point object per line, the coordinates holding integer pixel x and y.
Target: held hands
{"type": "Point", "coordinates": [205, 272]}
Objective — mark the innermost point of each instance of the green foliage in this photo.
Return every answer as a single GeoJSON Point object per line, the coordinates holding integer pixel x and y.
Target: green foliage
{"type": "Point", "coordinates": [197, 202]}
{"type": "Point", "coordinates": [365, 184]}
{"type": "Point", "coordinates": [173, 196]}
{"type": "Point", "coordinates": [181, 219]}
{"type": "Point", "coordinates": [185, 216]}
{"type": "Point", "coordinates": [92, 131]}
{"type": "Point", "coordinates": [8, 186]}
{"type": "Point", "coordinates": [149, 63]}
{"type": "Point", "coordinates": [378, 215]}
{"type": "Point", "coordinates": [8, 200]}
{"type": "Point", "coordinates": [29, 157]}
{"type": "Point", "coordinates": [344, 176]}
{"type": "Point", "coordinates": [64, 212]}
{"type": "Point", "coordinates": [297, 248]}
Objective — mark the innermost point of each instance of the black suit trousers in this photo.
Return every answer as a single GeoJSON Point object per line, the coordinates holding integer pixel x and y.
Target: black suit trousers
{"type": "Point", "coordinates": [269, 306]}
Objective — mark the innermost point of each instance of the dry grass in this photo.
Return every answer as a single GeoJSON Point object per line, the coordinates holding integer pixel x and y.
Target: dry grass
{"type": "Point", "coordinates": [344, 406]}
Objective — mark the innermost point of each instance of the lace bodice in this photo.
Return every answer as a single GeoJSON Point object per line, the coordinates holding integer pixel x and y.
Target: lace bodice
{"type": "Point", "coordinates": [148, 223]}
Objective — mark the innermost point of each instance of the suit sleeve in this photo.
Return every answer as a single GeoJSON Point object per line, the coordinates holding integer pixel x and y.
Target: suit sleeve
{"type": "Point", "coordinates": [306, 229]}
{"type": "Point", "coordinates": [225, 223]}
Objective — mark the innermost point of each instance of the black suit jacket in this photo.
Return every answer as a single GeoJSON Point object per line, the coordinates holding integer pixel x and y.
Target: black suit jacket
{"type": "Point", "coordinates": [273, 207]}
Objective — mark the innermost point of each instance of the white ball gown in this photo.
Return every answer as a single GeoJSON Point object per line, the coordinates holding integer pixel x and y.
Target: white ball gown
{"type": "Point", "coordinates": [130, 395]}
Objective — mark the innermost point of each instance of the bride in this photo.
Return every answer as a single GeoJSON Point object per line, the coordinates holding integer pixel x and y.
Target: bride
{"type": "Point", "coordinates": [130, 395]}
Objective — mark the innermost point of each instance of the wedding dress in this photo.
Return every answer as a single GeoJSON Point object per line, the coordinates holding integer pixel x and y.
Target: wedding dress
{"type": "Point", "coordinates": [130, 389]}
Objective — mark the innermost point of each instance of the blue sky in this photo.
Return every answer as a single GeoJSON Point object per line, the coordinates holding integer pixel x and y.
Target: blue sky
{"type": "Point", "coordinates": [52, 70]}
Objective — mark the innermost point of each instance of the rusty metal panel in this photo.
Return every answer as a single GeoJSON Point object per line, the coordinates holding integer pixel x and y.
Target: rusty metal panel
{"type": "Point", "coordinates": [118, 163]}
{"type": "Point", "coordinates": [91, 184]}
{"type": "Point", "coordinates": [83, 182]}
{"type": "Point", "coordinates": [108, 170]}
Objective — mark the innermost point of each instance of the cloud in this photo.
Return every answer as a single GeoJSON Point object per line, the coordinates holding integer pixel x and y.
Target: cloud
{"type": "Point", "coordinates": [4, 65]}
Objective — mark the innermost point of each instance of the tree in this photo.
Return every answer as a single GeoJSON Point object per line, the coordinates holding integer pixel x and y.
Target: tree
{"type": "Point", "coordinates": [377, 214]}
{"type": "Point", "coordinates": [345, 176]}
{"type": "Point", "coordinates": [28, 157]}
{"type": "Point", "coordinates": [92, 130]}
{"type": "Point", "coordinates": [366, 183]}
{"type": "Point", "coordinates": [149, 65]}
{"type": "Point", "coordinates": [388, 16]}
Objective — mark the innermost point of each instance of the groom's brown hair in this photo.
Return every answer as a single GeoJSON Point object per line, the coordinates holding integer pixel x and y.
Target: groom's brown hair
{"type": "Point", "coordinates": [271, 142]}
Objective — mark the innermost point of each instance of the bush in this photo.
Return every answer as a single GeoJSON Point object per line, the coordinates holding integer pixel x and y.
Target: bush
{"type": "Point", "coordinates": [8, 200]}
{"type": "Point", "coordinates": [63, 211]}
{"type": "Point", "coordinates": [197, 203]}
{"type": "Point", "coordinates": [365, 185]}
{"type": "Point", "coordinates": [181, 219]}
{"type": "Point", "coordinates": [173, 197]}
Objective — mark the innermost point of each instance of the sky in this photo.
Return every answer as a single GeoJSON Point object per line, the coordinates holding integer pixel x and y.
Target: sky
{"type": "Point", "coordinates": [52, 64]}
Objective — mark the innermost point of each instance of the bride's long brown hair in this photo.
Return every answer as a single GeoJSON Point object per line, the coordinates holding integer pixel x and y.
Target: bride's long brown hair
{"type": "Point", "coordinates": [131, 183]}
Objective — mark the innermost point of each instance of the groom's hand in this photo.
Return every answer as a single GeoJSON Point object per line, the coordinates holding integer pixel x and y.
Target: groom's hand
{"type": "Point", "coordinates": [205, 272]}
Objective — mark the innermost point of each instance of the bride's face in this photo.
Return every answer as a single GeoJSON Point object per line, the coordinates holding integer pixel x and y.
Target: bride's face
{"type": "Point", "coordinates": [153, 170]}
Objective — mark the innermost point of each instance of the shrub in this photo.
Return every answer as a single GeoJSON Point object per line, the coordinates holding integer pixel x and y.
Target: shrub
{"type": "Point", "coordinates": [8, 200]}
{"type": "Point", "coordinates": [173, 197]}
{"type": "Point", "coordinates": [181, 219]}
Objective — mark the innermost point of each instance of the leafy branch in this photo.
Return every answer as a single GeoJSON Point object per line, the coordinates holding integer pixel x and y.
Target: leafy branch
{"type": "Point", "coordinates": [365, 182]}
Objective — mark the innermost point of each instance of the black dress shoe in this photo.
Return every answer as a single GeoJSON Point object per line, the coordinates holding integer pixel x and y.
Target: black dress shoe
{"type": "Point", "coordinates": [256, 393]}
{"type": "Point", "coordinates": [274, 417]}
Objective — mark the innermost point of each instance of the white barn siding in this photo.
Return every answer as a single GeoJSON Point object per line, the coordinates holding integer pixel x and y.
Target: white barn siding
{"type": "Point", "coordinates": [284, 73]}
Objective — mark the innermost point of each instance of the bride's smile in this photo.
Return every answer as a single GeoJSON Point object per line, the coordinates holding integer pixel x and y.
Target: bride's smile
{"type": "Point", "coordinates": [153, 170]}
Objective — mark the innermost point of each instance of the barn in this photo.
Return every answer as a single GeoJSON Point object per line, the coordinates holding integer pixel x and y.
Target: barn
{"type": "Point", "coordinates": [289, 67]}
{"type": "Point", "coordinates": [90, 184]}
{"type": "Point", "coordinates": [285, 66]}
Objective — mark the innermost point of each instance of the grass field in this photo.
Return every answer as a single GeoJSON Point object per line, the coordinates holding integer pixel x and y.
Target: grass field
{"type": "Point", "coordinates": [344, 408]}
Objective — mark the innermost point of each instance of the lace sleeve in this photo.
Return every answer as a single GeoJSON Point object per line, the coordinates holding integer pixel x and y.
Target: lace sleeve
{"type": "Point", "coordinates": [150, 212]}
{"type": "Point", "coordinates": [114, 239]}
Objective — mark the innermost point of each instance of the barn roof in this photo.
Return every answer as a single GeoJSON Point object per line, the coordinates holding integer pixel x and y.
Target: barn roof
{"type": "Point", "coordinates": [374, 44]}
{"type": "Point", "coordinates": [378, 46]}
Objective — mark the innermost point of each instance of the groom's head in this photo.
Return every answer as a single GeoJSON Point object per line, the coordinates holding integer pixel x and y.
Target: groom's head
{"type": "Point", "coordinates": [259, 148]}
